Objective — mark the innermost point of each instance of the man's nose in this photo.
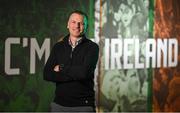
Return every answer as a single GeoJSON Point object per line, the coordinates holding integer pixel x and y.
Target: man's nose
{"type": "Point", "coordinates": [78, 24]}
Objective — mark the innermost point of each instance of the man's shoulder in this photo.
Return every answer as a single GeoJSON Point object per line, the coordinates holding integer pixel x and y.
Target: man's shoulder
{"type": "Point", "coordinates": [92, 47]}
{"type": "Point", "coordinates": [92, 43]}
{"type": "Point", "coordinates": [61, 41]}
{"type": "Point", "coordinates": [58, 44]}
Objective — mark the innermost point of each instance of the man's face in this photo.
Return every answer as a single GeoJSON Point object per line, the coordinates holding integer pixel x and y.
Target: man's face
{"type": "Point", "coordinates": [127, 14]}
{"type": "Point", "coordinates": [133, 81]}
{"type": "Point", "coordinates": [76, 25]}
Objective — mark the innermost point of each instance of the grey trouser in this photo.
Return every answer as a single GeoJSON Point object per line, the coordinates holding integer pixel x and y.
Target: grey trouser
{"type": "Point", "coordinates": [58, 108]}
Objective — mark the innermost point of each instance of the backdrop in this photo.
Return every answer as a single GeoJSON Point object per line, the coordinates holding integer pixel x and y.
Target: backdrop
{"type": "Point", "coordinates": [138, 67]}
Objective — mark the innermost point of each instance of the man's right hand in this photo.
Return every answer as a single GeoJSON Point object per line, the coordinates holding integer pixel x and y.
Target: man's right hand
{"type": "Point", "coordinates": [57, 68]}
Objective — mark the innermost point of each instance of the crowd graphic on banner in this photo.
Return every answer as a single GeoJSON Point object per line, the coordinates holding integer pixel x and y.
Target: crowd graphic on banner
{"type": "Point", "coordinates": [125, 90]}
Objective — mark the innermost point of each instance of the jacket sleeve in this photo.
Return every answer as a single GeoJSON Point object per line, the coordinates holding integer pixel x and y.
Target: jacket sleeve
{"type": "Point", "coordinates": [49, 74]}
{"type": "Point", "coordinates": [86, 70]}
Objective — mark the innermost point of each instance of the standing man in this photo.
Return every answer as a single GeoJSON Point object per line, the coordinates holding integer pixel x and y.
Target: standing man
{"type": "Point", "coordinates": [71, 66]}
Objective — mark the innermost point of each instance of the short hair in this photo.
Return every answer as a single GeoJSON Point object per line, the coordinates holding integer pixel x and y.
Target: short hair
{"type": "Point", "coordinates": [85, 18]}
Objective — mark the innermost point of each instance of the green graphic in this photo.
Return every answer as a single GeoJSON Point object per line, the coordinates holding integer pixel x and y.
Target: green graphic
{"type": "Point", "coordinates": [22, 21]}
{"type": "Point", "coordinates": [124, 90]}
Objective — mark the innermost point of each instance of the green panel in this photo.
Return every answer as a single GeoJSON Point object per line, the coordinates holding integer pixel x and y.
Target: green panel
{"type": "Point", "coordinates": [150, 71]}
{"type": "Point", "coordinates": [33, 19]}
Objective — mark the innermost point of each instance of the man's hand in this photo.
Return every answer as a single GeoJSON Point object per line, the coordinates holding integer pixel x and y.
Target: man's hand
{"type": "Point", "coordinates": [57, 68]}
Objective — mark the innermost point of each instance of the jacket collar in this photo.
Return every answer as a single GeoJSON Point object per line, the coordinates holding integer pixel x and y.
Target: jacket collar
{"type": "Point", "coordinates": [66, 39]}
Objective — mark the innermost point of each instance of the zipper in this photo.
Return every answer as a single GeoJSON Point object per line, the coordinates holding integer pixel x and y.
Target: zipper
{"type": "Point", "coordinates": [71, 55]}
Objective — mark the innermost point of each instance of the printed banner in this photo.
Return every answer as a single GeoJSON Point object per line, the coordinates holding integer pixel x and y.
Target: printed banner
{"type": "Point", "coordinates": [138, 67]}
{"type": "Point", "coordinates": [28, 30]}
{"type": "Point", "coordinates": [139, 41]}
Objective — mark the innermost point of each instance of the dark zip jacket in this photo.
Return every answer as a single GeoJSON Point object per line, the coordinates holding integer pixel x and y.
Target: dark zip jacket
{"type": "Point", "coordinates": [75, 81]}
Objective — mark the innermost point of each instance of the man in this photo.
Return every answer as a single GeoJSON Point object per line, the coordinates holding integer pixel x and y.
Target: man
{"type": "Point", "coordinates": [71, 66]}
